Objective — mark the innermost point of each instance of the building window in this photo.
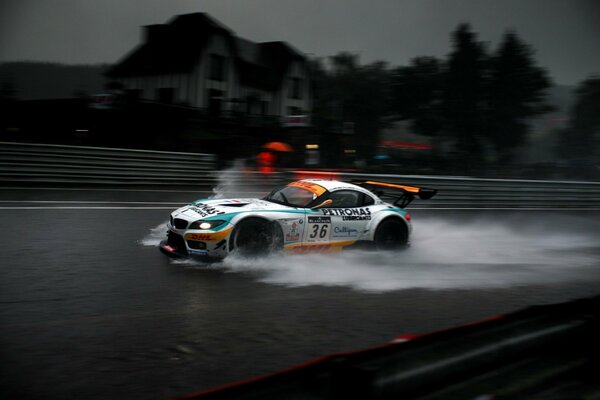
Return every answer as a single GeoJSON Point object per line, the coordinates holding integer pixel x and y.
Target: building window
{"type": "Point", "coordinates": [294, 111]}
{"type": "Point", "coordinates": [264, 107]}
{"type": "Point", "coordinates": [295, 90]}
{"type": "Point", "coordinates": [215, 102]}
{"type": "Point", "coordinates": [165, 95]}
{"type": "Point", "coordinates": [217, 68]}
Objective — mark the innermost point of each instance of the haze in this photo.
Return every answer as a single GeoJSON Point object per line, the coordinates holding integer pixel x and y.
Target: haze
{"type": "Point", "coordinates": [565, 34]}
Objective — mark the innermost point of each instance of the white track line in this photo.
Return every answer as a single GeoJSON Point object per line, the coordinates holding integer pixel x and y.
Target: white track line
{"type": "Point", "coordinates": [122, 190]}
{"type": "Point", "coordinates": [85, 208]}
{"type": "Point", "coordinates": [505, 208]}
{"type": "Point", "coordinates": [92, 202]}
{"type": "Point", "coordinates": [170, 208]}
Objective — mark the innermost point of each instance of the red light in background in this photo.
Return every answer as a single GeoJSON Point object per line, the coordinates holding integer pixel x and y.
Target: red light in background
{"type": "Point", "coordinates": [407, 216]}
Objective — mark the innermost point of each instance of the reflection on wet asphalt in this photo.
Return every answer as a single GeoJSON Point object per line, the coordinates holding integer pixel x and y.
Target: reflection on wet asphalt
{"type": "Point", "coordinates": [89, 308]}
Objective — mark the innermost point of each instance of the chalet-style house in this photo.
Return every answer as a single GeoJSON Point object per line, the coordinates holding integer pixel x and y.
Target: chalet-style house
{"type": "Point", "coordinates": [197, 62]}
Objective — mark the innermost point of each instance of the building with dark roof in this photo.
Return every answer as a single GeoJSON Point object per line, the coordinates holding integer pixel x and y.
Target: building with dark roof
{"type": "Point", "coordinates": [195, 61]}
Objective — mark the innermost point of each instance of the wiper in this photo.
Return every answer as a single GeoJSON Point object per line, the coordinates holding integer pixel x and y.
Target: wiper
{"type": "Point", "coordinates": [284, 198]}
{"type": "Point", "coordinates": [274, 201]}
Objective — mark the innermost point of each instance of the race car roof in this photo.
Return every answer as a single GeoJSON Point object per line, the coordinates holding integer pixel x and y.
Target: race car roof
{"type": "Point", "coordinates": [331, 185]}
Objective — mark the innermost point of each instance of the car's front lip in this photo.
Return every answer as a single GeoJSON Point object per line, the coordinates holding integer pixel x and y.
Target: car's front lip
{"type": "Point", "coordinates": [171, 251]}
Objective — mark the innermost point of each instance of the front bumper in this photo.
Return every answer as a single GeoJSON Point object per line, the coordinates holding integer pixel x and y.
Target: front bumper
{"type": "Point", "coordinates": [181, 244]}
{"type": "Point", "coordinates": [171, 251]}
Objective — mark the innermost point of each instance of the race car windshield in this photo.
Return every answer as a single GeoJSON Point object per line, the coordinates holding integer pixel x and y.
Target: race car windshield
{"type": "Point", "coordinates": [292, 196]}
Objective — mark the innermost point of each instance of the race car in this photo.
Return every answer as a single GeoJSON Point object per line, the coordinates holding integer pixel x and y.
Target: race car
{"type": "Point", "coordinates": [302, 216]}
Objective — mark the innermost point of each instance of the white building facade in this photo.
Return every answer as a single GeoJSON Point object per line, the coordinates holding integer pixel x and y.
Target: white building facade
{"type": "Point", "coordinates": [194, 61]}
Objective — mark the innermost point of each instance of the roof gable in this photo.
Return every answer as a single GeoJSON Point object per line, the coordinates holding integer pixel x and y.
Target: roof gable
{"type": "Point", "coordinates": [176, 47]}
{"type": "Point", "coordinates": [170, 48]}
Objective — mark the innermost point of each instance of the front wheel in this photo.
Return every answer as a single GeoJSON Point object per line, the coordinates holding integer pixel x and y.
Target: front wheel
{"type": "Point", "coordinates": [391, 234]}
{"type": "Point", "coordinates": [256, 237]}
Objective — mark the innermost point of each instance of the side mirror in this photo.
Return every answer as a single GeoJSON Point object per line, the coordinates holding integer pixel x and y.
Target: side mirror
{"type": "Point", "coordinates": [323, 204]}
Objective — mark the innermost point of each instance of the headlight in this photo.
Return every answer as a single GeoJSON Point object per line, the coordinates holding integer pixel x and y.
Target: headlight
{"type": "Point", "coordinates": [206, 224]}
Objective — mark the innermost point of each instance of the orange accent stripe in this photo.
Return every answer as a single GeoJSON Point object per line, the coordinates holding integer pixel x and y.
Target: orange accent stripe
{"type": "Point", "coordinates": [209, 237]}
{"type": "Point", "coordinates": [318, 247]}
{"type": "Point", "coordinates": [411, 189]}
{"type": "Point", "coordinates": [334, 176]}
{"type": "Point", "coordinates": [313, 187]}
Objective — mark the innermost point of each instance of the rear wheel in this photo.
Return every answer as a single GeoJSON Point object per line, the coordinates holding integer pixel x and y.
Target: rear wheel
{"type": "Point", "coordinates": [391, 234]}
{"type": "Point", "coordinates": [255, 237]}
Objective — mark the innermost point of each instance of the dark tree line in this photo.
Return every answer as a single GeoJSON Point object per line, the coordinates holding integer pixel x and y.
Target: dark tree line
{"type": "Point", "coordinates": [348, 91]}
{"type": "Point", "coordinates": [476, 101]}
{"type": "Point", "coordinates": [581, 139]}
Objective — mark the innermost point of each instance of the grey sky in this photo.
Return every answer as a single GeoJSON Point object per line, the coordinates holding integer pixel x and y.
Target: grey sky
{"type": "Point", "coordinates": [564, 33]}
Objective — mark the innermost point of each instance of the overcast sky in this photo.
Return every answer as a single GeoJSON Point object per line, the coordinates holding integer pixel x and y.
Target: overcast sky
{"type": "Point", "coordinates": [564, 33]}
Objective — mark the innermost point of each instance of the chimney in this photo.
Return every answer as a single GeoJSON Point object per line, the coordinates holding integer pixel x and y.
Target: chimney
{"type": "Point", "coordinates": [156, 33]}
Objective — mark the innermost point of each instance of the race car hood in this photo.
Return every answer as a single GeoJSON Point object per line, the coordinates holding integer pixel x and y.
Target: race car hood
{"type": "Point", "coordinates": [206, 208]}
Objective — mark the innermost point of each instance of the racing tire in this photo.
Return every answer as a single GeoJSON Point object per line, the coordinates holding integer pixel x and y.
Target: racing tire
{"type": "Point", "coordinates": [391, 234]}
{"type": "Point", "coordinates": [256, 237]}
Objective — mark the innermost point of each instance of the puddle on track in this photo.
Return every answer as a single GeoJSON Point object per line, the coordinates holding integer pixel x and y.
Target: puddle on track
{"type": "Point", "coordinates": [481, 253]}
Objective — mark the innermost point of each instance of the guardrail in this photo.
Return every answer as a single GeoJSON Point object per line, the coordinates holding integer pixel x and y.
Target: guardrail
{"type": "Point", "coordinates": [36, 164]}
{"type": "Point", "coordinates": [47, 163]}
{"type": "Point", "coordinates": [465, 192]}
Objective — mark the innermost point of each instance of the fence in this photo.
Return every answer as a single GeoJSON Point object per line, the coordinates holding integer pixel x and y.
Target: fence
{"type": "Point", "coordinates": [23, 163]}
{"type": "Point", "coordinates": [35, 164]}
{"type": "Point", "coordinates": [465, 192]}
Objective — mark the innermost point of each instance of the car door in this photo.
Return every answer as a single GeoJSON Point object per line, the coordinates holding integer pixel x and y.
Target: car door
{"type": "Point", "coordinates": [343, 220]}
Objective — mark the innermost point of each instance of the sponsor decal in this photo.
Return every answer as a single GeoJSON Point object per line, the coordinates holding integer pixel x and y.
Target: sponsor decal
{"type": "Point", "coordinates": [201, 237]}
{"type": "Point", "coordinates": [344, 231]}
{"type": "Point", "coordinates": [312, 187]}
{"type": "Point", "coordinates": [356, 218]}
{"type": "Point", "coordinates": [291, 228]}
{"type": "Point", "coordinates": [319, 220]}
{"type": "Point", "coordinates": [347, 211]}
{"type": "Point", "coordinates": [208, 237]}
{"type": "Point", "coordinates": [205, 210]}
{"type": "Point", "coordinates": [294, 235]}
{"type": "Point", "coordinates": [318, 229]}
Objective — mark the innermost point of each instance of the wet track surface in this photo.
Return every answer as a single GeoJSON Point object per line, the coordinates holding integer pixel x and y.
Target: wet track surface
{"type": "Point", "coordinates": [90, 308]}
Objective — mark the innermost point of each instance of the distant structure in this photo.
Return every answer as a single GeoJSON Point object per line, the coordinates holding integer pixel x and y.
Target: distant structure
{"type": "Point", "coordinates": [197, 62]}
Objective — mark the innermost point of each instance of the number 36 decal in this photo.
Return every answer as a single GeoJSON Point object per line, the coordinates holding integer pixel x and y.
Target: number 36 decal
{"type": "Point", "coordinates": [318, 232]}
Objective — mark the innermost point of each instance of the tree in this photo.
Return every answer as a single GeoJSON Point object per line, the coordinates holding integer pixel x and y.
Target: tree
{"type": "Point", "coordinates": [479, 102]}
{"type": "Point", "coordinates": [516, 93]}
{"type": "Point", "coordinates": [581, 138]}
{"type": "Point", "coordinates": [416, 91]}
{"type": "Point", "coordinates": [8, 92]}
{"type": "Point", "coordinates": [463, 99]}
{"type": "Point", "coordinates": [350, 92]}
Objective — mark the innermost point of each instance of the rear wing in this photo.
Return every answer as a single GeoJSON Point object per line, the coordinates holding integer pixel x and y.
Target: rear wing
{"type": "Point", "coordinates": [401, 194]}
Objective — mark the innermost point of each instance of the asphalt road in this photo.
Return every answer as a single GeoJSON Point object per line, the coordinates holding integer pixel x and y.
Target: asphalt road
{"type": "Point", "coordinates": [89, 308]}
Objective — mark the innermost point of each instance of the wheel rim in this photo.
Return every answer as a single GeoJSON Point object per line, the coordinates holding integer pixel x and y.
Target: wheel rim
{"type": "Point", "coordinates": [253, 239]}
{"type": "Point", "coordinates": [390, 236]}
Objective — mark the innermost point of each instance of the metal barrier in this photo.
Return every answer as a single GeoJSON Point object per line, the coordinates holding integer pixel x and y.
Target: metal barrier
{"type": "Point", "coordinates": [46, 163]}
{"type": "Point", "coordinates": [35, 164]}
{"type": "Point", "coordinates": [465, 192]}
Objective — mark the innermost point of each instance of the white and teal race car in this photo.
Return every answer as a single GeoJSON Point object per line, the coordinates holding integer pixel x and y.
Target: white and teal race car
{"type": "Point", "coordinates": [306, 215]}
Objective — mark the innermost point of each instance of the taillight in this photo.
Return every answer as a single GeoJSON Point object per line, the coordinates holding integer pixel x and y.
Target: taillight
{"type": "Point", "coordinates": [407, 216]}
